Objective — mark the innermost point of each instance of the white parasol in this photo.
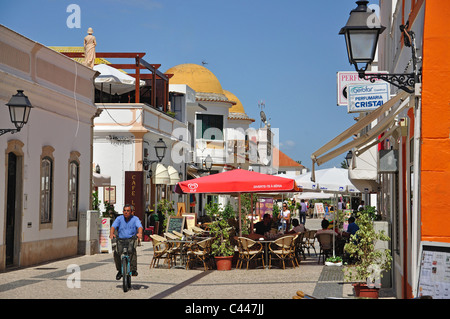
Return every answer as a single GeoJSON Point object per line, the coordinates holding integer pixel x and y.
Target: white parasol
{"type": "Point", "coordinates": [113, 81]}
{"type": "Point", "coordinates": [327, 180]}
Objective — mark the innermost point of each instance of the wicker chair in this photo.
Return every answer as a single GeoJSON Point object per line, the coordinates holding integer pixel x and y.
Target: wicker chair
{"type": "Point", "coordinates": [282, 249]}
{"type": "Point", "coordinates": [249, 250]}
{"type": "Point", "coordinates": [178, 234]}
{"type": "Point", "coordinates": [189, 233]}
{"type": "Point", "coordinates": [200, 251]}
{"type": "Point", "coordinates": [299, 247]}
{"type": "Point", "coordinates": [309, 241]}
{"type": "Point", "coordinates": [326, 245]}
{"type": "Point", "coordinates": [198, 230]}
{"type": "Point", "coordinates": [294, 249]}
{"type": "Point", "coordinates": [161, 250]}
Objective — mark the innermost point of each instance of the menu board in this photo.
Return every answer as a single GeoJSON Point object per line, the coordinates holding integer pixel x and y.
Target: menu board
{"type": "Point", "coordinates": [319, 211]}
{"type": "Point", "coordinates": [191, 220]}
{"type": "Point", "coordinates": [434, 270]}
{"type": "Point", "coordinates": [175, 223]}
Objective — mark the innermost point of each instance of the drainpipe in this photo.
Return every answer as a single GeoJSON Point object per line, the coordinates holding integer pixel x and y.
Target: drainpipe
{"type": "Point", "coordinates": [416, 216]}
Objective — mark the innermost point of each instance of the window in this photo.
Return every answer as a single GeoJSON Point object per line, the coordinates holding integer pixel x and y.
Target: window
{"type": "Point", "coordinates": [46, 186]}
{"type": "Point", "coordinates": [73, 187]}
{"type": "Point", "coordinates": [73, 191]}
{"type": "Point", "coordinates": [209, 127]}
{"type": "Point", "coordinates": [46, 189]}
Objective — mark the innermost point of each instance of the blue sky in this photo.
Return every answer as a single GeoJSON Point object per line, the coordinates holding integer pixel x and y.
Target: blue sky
{"type": "Point", "coordinates": [285, 53]}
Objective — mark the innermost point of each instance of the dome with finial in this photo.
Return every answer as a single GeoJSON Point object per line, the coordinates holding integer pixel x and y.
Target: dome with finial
{"type": "Point", "coordinates": [200, 79]}
{"type": "Point", "coordinates": [237, 111]}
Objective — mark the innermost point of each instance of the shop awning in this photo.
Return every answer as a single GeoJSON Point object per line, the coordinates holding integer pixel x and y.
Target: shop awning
{"type": "Point", "coordinates": [100, 180]}
{"type": "Point", "coordinates": [321, 156]}
{"type": "Point", "coordinates": [173, 175]}
{"type": "Point", "coordinates": [161, 175]}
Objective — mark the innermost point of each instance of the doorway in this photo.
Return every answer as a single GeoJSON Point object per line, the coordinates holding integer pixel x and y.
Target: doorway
{"type": "Point", "coordinates": [13, 210]}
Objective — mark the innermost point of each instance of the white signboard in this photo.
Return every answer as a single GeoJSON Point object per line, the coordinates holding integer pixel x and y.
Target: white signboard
{"type": "Point", "coordinates": [105, 241]}
{"type": "Point", "coordinates": [344, 79]}
{"type": "Point", "coordinates": [367, 97]}
{"type": "Point", "coordinates": [434, 270]}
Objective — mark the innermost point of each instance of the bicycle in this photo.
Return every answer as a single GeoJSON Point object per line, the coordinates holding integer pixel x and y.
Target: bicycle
{"type": "Point", "coordinates": [127, 245]}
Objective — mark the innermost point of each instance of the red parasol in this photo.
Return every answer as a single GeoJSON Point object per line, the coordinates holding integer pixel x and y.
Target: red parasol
{"type": "Point", "coordinates": [237, 181]}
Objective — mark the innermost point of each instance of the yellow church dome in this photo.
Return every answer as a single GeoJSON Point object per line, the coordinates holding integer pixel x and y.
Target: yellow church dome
{"type": "Point", "coordinates": [199, 78]}
{"type": "Point", "coordinates": [236, 112]}
{"type": "Point", "coordinates": [236, 108]}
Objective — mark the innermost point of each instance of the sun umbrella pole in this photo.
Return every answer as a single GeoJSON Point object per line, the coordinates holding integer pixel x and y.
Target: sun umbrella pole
{"type": "Point", "coordinates": [251, 209]}
{"type": "Point", "coordinates": [239, 207]}
{"type": "Point", "coordinates": [335, 223]}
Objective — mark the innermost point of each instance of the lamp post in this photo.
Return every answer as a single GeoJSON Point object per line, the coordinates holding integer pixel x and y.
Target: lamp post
{"type": "Point", "coordinates": [361, 33]}
{"type": "Point", "coordinates": [160, 149]}
{"type": "Point", "coordinates": [207, 164]}
{"type": "Point", "coordinates": [348, 158]}
{"type": "Point", "coordinates": [19, 111]}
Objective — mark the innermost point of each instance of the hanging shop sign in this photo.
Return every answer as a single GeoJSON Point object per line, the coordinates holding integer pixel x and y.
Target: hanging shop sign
{"type": "Point", "coordinates": [345, 78]}
{"type": "Point", "coordinates": [134, 191]}
{"type": "Point", "coordinates": [367, 97]}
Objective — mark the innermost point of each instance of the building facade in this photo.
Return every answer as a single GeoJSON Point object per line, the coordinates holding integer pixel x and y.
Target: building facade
{"type": "Point", "coordinates": [46, 175]}
{"type": "Point", "coordinates": [416, 196]}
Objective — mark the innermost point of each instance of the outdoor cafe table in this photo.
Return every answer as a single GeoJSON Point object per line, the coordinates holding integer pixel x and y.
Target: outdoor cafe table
{"type": "Point", "coordinates": [184, 244]}
{"type": "Point", "coordinates": [267, 242]}
{"type": "Point", "coordinates": [183, 249]}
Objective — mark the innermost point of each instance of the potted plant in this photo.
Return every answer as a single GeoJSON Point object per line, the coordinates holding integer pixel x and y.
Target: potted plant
{"type": "Point", "coordinates": [369, 263]}
{"type": "Point", "coordinates": [221, 247]}
{"type": "Point", "coordinates": [165, 207]}
{"type": "Point", "coordinates": [109, 212]}
{"type": "Point", "coordinates": [334, 261]}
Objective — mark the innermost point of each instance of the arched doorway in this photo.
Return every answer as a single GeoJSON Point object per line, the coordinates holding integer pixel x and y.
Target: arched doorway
{"type": "Point", "coordinates": [13, 209]}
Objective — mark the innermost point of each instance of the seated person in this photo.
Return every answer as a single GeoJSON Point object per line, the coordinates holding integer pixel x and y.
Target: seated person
{"type": "Point", "coordinates": [325, 223]}
{"type": "Point", "coordinates": [298, 228]}
{"type": "Point", "coordinates": [264, 225]}
{"type": "Point", "coordinates": [352, 227]}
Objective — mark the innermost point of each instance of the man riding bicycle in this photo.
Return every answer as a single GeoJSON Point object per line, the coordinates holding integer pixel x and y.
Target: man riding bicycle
{"type": "Point", "coordinates": [127, 226]}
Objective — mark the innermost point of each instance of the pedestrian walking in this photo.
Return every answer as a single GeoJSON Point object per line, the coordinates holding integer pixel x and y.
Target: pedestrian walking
{"type": "Point", "coordinates": [303, 210]}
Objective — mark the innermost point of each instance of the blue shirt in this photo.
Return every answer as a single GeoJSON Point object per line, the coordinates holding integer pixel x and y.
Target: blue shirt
{"type": "Point", "coordinates": [303, 208]}
{"type": "Point", "coordinates": [352, 228]}
{"type": "Point", "coordinates": [127, 229]}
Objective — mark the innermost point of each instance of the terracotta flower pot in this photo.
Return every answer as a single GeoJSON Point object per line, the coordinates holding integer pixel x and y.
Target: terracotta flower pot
{"type": "Point", "coordinates": [363, 291]}
{"type": "Point", "coordinates": [223, 262]}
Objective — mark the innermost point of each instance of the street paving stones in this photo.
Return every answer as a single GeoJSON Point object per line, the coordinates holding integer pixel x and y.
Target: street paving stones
{"type": "Point", "coordinates": [93, 277]}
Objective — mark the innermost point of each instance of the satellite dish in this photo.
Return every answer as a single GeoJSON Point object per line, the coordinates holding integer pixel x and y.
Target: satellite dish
{"type": "Point", "coordinates": [263, 116]}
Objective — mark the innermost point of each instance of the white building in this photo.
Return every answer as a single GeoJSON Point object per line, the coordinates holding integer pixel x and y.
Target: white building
{"type": "Point", "coordinates": [46, 175]}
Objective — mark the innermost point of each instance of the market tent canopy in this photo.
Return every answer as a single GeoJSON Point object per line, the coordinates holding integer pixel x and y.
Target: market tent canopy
{"type": "Point", "coordinates": [114, 81]}
{"type": "Point", "coordinates": [237, 181]}
{"type": "Point", "coordinates": [328, 180]}
{"type": "Point", "coordinates": [312, 195]}
{"type": "Point", "coordinates": [100, 180]}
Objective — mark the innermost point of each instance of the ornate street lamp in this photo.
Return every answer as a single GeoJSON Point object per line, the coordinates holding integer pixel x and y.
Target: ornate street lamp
{"type": "Point", "coordinates": [160, 149]}
{"type": "Point", "coordinates": [361, 36]}
{"type": "Point", "coordinates": [207, 164]}
{"type": "Point", "coordinates": [361, 33]}
{"type": "Point", "coordinates": [348, 158]}
{"type": "Point", "coordinates": [19, 111]}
